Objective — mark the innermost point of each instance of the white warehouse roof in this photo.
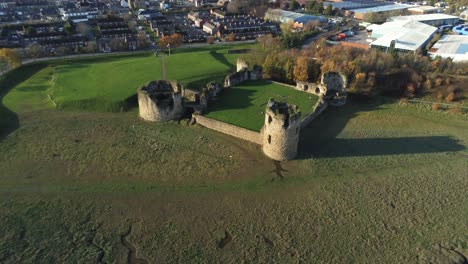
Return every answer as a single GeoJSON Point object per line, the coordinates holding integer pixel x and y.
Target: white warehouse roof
{"type": "Point", "coordinates": [422, 18]}
{"type": "Point", "coordinates": [451, 46]}
{"type": "Point", "coordinates": [408, 35]}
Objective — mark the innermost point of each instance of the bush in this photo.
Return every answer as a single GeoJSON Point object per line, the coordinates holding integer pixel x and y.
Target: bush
{"type": "Point", "coordinates": [436, 107]}
{"type": "Point", "coordinates": [450, 97]}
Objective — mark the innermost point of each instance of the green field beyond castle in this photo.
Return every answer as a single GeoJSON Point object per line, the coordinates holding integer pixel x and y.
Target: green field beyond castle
{"type": "Point", "coordinates": [104, 84]}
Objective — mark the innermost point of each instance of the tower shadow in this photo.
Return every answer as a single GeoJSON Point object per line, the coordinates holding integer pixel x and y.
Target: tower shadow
{"type": "Point", "coordinates": [9, 120]}
{"type": "Point", "coordinates": [319, 138]}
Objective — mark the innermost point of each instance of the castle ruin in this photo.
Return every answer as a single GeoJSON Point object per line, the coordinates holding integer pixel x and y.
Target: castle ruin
{"type": "Point", "coordinates": [279, 137]}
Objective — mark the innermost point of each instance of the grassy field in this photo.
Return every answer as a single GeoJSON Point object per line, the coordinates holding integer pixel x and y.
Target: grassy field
{"type": "Point", "coordinates": [104, 83]}
{"type": "Point", "coordinates": [374, 182]}
{"type": "Point", "coordinates": [244, 105]}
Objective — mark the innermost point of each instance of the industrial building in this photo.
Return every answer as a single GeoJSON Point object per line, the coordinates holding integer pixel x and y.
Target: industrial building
{"type": "Point", "coordinates": [361, 12]}
{"type": "Point", "coordinates": [283, 16]}
{"type": "Point", "coordinates": [421, 10]}
{"type": "Point", "coordinates": [430, 19]}
{"type": "Point", "coordinates": [451, 46]}
{"type": "Point", "coordinates": [402, 36]}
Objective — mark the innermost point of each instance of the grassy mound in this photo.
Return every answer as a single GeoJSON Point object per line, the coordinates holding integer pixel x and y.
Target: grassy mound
{"type": "Point", "coordinates": [244, 105]}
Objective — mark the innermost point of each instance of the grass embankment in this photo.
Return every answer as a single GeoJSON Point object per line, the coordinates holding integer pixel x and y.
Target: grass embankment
{"type": "Point", "coordinates": [105, 83]}
{"type": "Point", "coordinates": [244, 105]}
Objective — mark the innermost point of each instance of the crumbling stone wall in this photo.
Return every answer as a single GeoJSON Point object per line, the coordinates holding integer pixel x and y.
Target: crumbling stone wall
{"type": "Point", "coordinates": [243, 74]}
{"type": "Point", "coordinates": [281, 130]}
{"type": "Point", "coordinates": [228, 129]}
{"type": "Point", "coordinates": [332, 86]}
{"type": "Point", "coordinates": [318, 109]}
{"type": "Point", "coordinates": [160, 101]}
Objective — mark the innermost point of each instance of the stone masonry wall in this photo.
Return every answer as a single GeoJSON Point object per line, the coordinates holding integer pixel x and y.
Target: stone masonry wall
{"type": "Point", "coordinates": [228, 129]}
{"type": "Point", "coordinates": [318, 109]}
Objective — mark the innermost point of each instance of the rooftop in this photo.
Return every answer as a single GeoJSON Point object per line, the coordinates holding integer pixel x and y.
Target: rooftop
{"type": "Point", "coordinates": [421, 18]}
{"type": "Point", "coordinates": [408, 35]}
{"type": "Point", "coordinates": [451, 46]}
{"type": "Point", "coordinates": [382, 8]}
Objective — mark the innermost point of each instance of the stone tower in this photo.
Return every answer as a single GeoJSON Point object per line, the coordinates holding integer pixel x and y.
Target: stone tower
{"type": "Point", "coordinates": [281, 130]}
{"type": "Point", "coordinates": [160, 101]}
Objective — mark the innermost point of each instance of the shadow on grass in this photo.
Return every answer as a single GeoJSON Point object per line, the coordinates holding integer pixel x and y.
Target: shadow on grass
{"type": "Point", "coordinates": [9, 121]}
{"type": "Point", "coordinates": [319, 139]}
{"type": "Point", "coordinates": [232, 98]}
{"type": "Point", "coordinates": [220, 57]}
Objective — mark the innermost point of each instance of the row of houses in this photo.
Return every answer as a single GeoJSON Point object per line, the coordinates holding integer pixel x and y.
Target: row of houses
{"type": "Point", "coordinates": [242, 27]}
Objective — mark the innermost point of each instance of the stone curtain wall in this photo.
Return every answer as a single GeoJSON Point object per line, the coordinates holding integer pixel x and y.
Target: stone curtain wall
{"type": "Point", "coordinates": [319, 107]}
{"type": "Point", "coordinates": [228, 129]}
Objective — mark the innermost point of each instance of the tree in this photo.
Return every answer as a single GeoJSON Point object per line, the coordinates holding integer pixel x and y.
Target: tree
{"type": "Point", "coordinates": [143, 41]}
{"type": "Point", "coordinates": [301, 69]}
{"type": "Point", "coordinates": [318, 8]}
{"type": "Point", "coordinates": [328, 10]}
{"type": "Point", "coordinates": [117, 44]}
{"type": "Point", "coordinates": [132, 25]}
{"type": "Point", "coordinates": [91, 47]}
{"type": "Point", "coordinates": [62, 51]}
{"type": "Point", "coordinates": [35, 50]}
{"type": "Point", "coordinates": [83, 28]}
{"type": "Point", "coordinates": [231, 37]}
{"type": "Point", "coordinates": [10, 58]}
{"type": "Point", "coordinates": [310, 6]}
{"type": "Point", "coordinates": [31, 31]}
{"type": "Point", "coordinates": [174, 41]}
{"type": "Point", "coordinates": [68, 28]}
{"type": "Point", "coordinates": [292, 5]}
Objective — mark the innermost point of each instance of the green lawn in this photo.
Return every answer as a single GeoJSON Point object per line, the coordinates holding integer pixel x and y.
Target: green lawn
{"type": "Point", "coordinates": [244, 105]}
{"type": "Point", "coordinates": [104, 83]}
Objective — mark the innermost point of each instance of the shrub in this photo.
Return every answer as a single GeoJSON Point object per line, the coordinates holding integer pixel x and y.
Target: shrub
{"type": "Point", "coordinates": [440, 95]}
{"type": "Point", "coordinates": [436, 107]}
{"type": "Point", "coordinates": [450, 97]}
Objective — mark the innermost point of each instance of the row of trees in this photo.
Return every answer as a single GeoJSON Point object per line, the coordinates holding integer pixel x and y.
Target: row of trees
{"type": "Point", "coordinates": [368, 71]}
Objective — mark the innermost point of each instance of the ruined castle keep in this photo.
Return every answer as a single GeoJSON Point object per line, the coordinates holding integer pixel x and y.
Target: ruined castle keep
{"type": "Point", "coordinates": [160, 101]}
{"type": "Point", "coordinates": [281, 130]}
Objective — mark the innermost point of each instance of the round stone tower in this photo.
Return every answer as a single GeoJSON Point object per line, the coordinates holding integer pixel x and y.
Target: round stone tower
{"type": "Point", "coordinates": [160, 101]}
{"type": "Point", "coordinates": [281, 130]}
